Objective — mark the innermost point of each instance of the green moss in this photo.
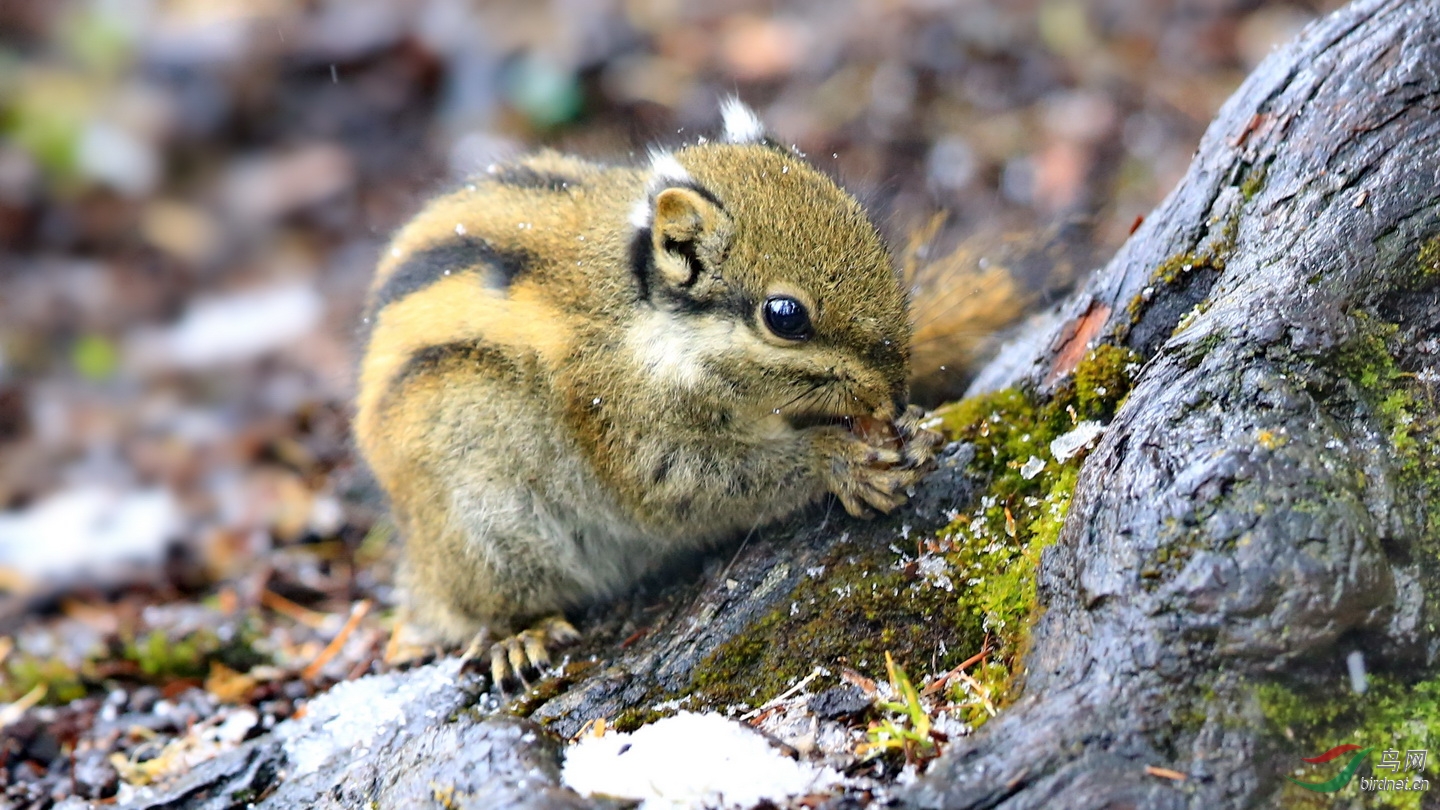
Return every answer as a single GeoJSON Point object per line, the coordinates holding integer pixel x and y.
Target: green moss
{"type": "Point", "coordinates": [999, 550]}
{"type": "Point", "coordinates": [1176, 268]}
{"type": "Point", "coordinates": [634, 718]}
{"type": "Point", "coordinates": [1204, 346]}
{"type": "Point", "coordinates": [863, 606]}
{"type": "Point", "coordinates": [1210, 253]}
{"type": "Point", "coordinates": [157, 658]}
{"type": "Point", "coordinates": [161, 657]}
{"type": "Point", "coordinates": [1404, 409]}
{"type": "Point", "coordinates": [1254, 181]}
{"type": "Point", "coordinates": [532, 698]}
{"type": "Point", "coordinates": [1181, 264]}
{"type": "Point", "coordinates": [996, 547]}
{"type": "Point", "coordinates": [1366, 359]}
{"type": "Point", "coordinates": [1391, 715]}
{"type": "Point", "coordinates": [95, 358]}
{"type": "Point", "coordinates": [1428, 263]}
{"type": "Point", "coordinates": [23, 673]}
{"type": "Point", "coordinates": [1102, 379]}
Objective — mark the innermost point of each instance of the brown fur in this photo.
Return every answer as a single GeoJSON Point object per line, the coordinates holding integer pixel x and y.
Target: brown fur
{"type": "Point", "coordinates": [551, 424]}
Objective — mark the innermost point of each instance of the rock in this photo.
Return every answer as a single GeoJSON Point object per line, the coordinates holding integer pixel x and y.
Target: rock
{"type": "Point", "coordinates": [397, 740]}
{"type": "Point", "coordinates": [95, 777]}
{"type": "Point", "coordinates": [839, 701]}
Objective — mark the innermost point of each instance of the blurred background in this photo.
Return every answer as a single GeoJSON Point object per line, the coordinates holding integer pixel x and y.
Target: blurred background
{"type": "Point", "coordinates": [192, 195]}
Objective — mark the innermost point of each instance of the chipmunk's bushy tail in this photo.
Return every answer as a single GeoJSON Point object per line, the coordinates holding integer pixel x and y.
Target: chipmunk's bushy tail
{"type": "Point", "coordinates": [964, 300]}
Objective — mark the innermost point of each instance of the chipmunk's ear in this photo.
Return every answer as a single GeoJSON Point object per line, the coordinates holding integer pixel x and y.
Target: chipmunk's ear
{"type": "Point", "coordinates": [682, 230]}
{"type": "Point", "coordinates": [688, 235]}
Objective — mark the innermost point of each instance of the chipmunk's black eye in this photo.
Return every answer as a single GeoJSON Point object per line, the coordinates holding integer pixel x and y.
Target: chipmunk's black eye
{"type": "Point", "coordinates": [787, 317]}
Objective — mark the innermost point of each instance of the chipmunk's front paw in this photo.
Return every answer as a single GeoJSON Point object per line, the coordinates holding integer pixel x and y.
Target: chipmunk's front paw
{"type": "Point", "coordinates": [876, 464]}
{"type": "Point", "coordinates": [917, 444]}
{"type": "Point", "coordinates": [525, 652]}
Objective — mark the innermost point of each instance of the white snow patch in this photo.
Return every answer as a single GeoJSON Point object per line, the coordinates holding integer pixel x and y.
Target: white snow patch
{"type": "Point", "coordinates": [1066, 446]}
{"type": "Point", "coordinates": [671, 705]}
{"type": "Point", "coordinates": [936, 571]}
{"type": "Point", "coordinates": [356, 714]}
{"type": "Point", "coordinates": [90, 531]}
{"type": "Point", "coordinates": [238, 327]}
{"type": "Point", "coordinates": [1355, 664]}
{"type": "Point", "coordinates": [1033, 467]}
{"type": "Point", "coordinates": [343, 719]}
{"type": "Point", "coordinates": [118, 158]}
{"type": "Point", "coordinates": [687, 761]}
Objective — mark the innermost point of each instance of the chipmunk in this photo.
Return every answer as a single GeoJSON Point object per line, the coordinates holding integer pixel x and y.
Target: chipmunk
{"type": "Point", "coordinates": [576, 371]}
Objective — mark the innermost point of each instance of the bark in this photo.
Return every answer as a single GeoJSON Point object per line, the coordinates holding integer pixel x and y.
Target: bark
{"type": "Point", "coordinates": [1256, 511]}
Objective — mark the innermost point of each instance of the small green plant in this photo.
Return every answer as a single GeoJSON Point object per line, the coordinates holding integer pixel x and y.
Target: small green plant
{"type": "Point", "coordinates": [908, 730]}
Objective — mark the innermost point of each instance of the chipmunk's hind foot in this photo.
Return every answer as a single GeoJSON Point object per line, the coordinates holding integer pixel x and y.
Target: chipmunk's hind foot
{"type": "Point", "coordinates": [515, 658]}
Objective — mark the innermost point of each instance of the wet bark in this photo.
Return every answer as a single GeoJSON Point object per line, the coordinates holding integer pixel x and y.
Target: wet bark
{"type": "Point", "coordinates": [1256, 511]}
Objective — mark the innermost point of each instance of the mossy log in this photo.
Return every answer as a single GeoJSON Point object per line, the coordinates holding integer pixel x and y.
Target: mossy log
{"type": "Point", "coordinates": [1255, 535]}
{"type": "Point", "coordinates": [1264, 509]}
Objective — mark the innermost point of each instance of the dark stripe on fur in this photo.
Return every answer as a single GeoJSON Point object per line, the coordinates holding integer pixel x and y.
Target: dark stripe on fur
{"type": "Point", "coordinates": [434, 359]}
{"type": "Point", "coordinates": [476, 352]}
{"type": "Point", "coordinates": [466, 254]}
{"type": "Point", "coordinates": [526, 177]}
{"type": "Point", "coordinates": [735, 305]}
{"type": "Point", "coordinates": [705, 193]}
{"type": "Point", "coordinates": [640, 261]}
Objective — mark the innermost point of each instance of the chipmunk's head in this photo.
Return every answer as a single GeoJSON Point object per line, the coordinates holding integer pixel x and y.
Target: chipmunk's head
{"type": "Point", "coordinates": [768, 283]}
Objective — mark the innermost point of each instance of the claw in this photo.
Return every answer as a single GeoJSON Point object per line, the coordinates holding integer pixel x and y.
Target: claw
{"type": "Point", "coordinates": [525, 652]}
{"type": "Point", "coordinates": [515, 655]}
{"type": "Point", "coordinates": [479, 645]}
{"type": "Point", "coordinates": [535, 651]}
{"type": "Point", "coordinates": [918, 443]}
{"type": "Point", "coordinates": [854, 507]}
{"type": "Point", "coordinates": [498, 670]}
{"type": "Point", "coordinates": [558, 631]}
